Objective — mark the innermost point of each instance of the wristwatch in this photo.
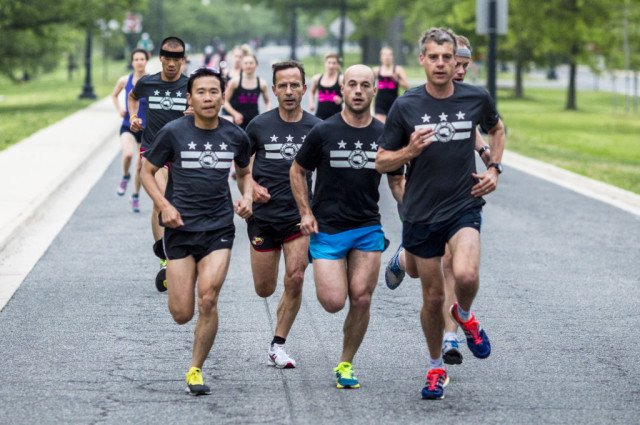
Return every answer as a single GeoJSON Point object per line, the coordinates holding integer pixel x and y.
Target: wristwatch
{"type": "Point", "coordinates": [482, 149]}
{"type": "Point", "coordinates": [496, 166]}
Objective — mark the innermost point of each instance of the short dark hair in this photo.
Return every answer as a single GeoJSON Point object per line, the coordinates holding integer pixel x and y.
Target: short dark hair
{"type": "Point", "coordinates": [134, 51]}
{"type": "Point", "coordinates": [280, 66]}
{"type": "Point", "coordinates": [173, 42]}
{"type": "Point", "coordinates": [438, 36]}
{"type": "Point", "coordinates": [205, 72]}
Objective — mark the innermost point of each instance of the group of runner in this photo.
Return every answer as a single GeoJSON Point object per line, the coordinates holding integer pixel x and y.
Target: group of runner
{"type": "Point", "coordinates": [426, 148]}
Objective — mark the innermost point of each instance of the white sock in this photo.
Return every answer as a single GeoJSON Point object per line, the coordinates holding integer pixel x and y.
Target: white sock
{"type": "Point", "coordinates": [436, 364]}
{"type": "Point", "coordinates": [464, 315]}
{"type": "Point", "coordinates": [450, 336]}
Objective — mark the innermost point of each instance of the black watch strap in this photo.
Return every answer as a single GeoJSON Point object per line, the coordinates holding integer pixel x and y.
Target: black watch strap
{"type": "Point", "coordinates": [496, 166]}
{"type": "Point", "coordinates": [482, 149]}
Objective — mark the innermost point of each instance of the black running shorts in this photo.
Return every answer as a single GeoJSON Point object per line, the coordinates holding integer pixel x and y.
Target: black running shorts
{"type": "Point", "coordinates": [266, 236]}
{"type": "Point", "coordinates": [180, 244]}
{"type": "Point", "coordinates": [429, 240]}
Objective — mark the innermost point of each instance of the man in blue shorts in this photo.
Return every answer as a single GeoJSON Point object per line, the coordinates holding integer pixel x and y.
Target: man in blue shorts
{"type": "Point", "coordinates": [432, 127]}
{"type": "Point", "coordinates": [346, 238]}
{"type": "Point", "coordinates": [196, 209]}
{"type": "Point", "coordinates": [274, 227]}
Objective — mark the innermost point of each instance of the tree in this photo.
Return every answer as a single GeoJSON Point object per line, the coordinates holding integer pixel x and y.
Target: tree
{"type": "Point", "coordinates": [35, 33]}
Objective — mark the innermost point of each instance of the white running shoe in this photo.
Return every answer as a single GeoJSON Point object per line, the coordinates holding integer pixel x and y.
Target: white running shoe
{"type": "Point", "coordinates": [279, 358]}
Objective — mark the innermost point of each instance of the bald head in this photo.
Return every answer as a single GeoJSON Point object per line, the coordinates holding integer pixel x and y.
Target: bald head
{"type": "Point", "coordinates": [358, 89]}
{"type": "Point", "coordinates": [359, 71]}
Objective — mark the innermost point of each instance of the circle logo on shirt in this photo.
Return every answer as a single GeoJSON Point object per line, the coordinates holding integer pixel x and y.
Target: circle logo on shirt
{"type": "Point", "coordinates": [208, 159]}
{"type": "Point", "coordinates": [288, 150]}
{"type": "Point", "coordinates": [444, 132]}
{"type": "Point", "coordinates": [166, 103]}
{"type": "Point", "coordinates": [358, 159]}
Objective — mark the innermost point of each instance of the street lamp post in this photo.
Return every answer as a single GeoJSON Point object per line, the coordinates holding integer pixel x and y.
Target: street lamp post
{"type": "Point", "coordinates": [87, 89]}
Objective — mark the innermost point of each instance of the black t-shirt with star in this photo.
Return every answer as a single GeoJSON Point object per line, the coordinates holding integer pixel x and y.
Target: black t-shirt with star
{"type": "Point", "coordinates": [346, 191]}
{"type": "Point", "coordinates": [439, 180]}
{"type": "Point", "coordinates": [275, 143]}
{"type": "Point", "coordinates": [200, 161]}
{"type": "Point", "coordinates": [166, 102]}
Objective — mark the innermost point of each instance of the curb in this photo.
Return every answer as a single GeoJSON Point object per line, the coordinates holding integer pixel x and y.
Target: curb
{"type": "Point", "coordinates": [36, 168]}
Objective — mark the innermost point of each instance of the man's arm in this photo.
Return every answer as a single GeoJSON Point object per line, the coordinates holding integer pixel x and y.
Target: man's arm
{"type": "Point", "coordinates": [483, 149]}
{"type": "Point", "coordinates": [387, 160]}
{"type": "Point", "coordinates": [489, 179]}
{"type": "Point", "coordinates": [170, 215]}
{"type": "Point", "coordinates": [134, 104]}
{"type": "Point", "coordinates": [243, 206]}
{"type": "Point", "coordinates": [298, 177]}
{"type": "Point", "coordinates": [396, 184]}
{"type": "Point", "coordinates": [261, 194]}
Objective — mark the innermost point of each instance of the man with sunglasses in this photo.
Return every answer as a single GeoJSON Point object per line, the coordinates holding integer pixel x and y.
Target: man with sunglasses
{"type": "Point", "coordinates": [276, 137]}
{"type": "Point", "coordinates": [197, 210]}
{"type": "Point", "coordinates": [166, 94]}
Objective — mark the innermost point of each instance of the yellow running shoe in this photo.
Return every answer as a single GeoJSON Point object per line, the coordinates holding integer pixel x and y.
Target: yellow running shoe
{"type": "Point", "coordinates": [195, 384]}
{"type": "Point", "coordinates": [345, 378]}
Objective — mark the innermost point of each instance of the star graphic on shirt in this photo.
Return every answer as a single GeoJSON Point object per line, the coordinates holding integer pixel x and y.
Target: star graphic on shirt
{"type": "Point", "coordinates": [443, 116]}
{"type": "Point", "coordinates": [167, 93]}
{"type": "Point", "coordinates": [223, 146]}
{"type": "Point", "coordinates": [304, 137]}
{"type": "Point", "coordinates": [207, 146]}
{"type": "Point", "coordinates": [192, 145]}
{"type": "Point", "coordinates": [342, 144]}
{"type": "Point", "coordinates": [460, 115]}
{"type": "Point", "coordinates": [289, 138]}
{"type": "Point", "coordinates": [179, 93]}
{"type": "Point", "coordinates": [426, 118]}
{"type": "Point", "coordinates": [358, 145]}
{"type": "Point", "coordinates": [374, 146]}
{"type": "Point", "coordinates": [274, 138]}
{"type": "Point", "coordinates": [157, 92]}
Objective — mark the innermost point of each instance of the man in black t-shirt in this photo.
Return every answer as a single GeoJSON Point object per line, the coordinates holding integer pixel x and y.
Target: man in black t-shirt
{"type": "Point", "coordinates": [343, 220]}
{"type": "Point", "coordinates": [275, 138]}
{"type": "Point", "coordinates": [166, 94]}
{"type": "Point", "coordinates": [433, 127]}
{"type": "Point", "coordinates": [197, 210]}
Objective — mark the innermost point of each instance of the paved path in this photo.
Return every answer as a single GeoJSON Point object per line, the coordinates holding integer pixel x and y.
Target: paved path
{"type": "Point", "coordinates": [87, 339]}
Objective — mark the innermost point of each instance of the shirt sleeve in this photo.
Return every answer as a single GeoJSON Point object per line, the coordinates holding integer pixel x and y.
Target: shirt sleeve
{"type": "Point", "coordinates": [161, 150]}
{"type": "Point", "coordinates": [243, 157]}
{"type": "Point", "coordinates": [138, 89]}
{"type": "Point", "coordinates": [490, 114]}
{"type": "Point", "coordinates": [310, 153]}
{"type": "Point", "coordinates": [253, 138]}
{"type": "Point", "coordinates": [393, 136]}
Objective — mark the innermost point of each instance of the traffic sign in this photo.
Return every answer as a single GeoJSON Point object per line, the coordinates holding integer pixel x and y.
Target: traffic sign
{"type": "Point", "coordinates": [316, 31]}
{"type": "Point", "coordinates": [349, 27]}
{"type": "Point", "coordinates": [132, 24]}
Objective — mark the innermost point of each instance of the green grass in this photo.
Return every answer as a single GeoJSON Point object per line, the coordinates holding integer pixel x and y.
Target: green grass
{"type": "Point", "coordinates": [27, 107]}
{"type": "Point", "coordinates": [594, 141]}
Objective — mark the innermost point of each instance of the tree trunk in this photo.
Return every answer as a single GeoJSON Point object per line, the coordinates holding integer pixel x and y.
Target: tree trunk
{"type": "Point", "coordinates": [571, 92]}
{"type": "Point", "coordinates": [518, 90]}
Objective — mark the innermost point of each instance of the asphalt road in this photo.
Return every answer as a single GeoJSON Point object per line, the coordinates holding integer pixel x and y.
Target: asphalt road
{"type": "Point", "coordinates": [87, 339]}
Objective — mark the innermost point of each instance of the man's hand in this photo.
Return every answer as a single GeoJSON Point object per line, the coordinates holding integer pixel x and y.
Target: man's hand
{"type": "Point", "coordinates": [136, 125]}
{"type": "Point", "coordinates": [419, 140]}
{"type": "Point", "coordinates": [260, 194]}
{"type": "Point", "coordinates": [308, 224]}
{"type": "Point", "coordinates": [171, 217]}
{"type": "Point", "coordinates": [243, 207]}
{"type": "Point", "coordinates": [487, 184]}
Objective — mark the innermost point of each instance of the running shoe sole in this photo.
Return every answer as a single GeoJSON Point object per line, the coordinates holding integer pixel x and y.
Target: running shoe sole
{"type": "Point", "coordinates": [161, 280]}
{"type": "Point", "coordinates": [452, 357]}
